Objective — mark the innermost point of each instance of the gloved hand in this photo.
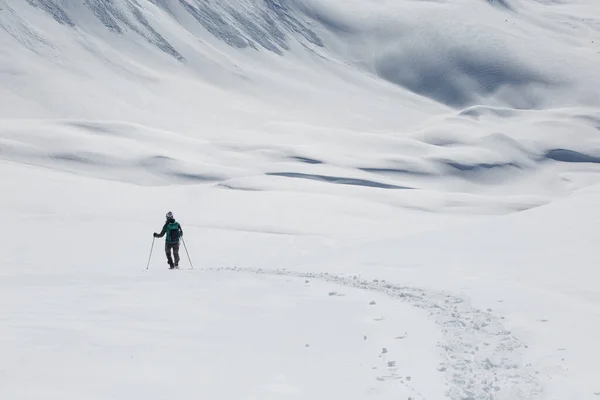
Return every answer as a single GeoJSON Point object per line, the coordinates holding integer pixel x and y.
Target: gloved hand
{"type": "Point", "coordinates": [156, 235]}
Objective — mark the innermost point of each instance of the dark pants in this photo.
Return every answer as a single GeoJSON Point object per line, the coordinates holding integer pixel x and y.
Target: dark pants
{"type": "Point", "coordinates": [175, 247]}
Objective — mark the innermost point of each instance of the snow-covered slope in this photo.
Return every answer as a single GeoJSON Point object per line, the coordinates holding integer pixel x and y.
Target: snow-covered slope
{"type": "Point", "coordinates": [423, 90]}
{"type": "Point", "coordinates": [352, 176]}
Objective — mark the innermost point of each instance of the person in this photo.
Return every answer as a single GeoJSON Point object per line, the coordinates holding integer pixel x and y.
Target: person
{"type": "Point", "coordinates": [172, 230]}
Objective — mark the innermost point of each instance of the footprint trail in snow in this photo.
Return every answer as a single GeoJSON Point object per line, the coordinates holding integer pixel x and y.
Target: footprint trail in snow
{"type": "Point", "coordinates": [482, 359]}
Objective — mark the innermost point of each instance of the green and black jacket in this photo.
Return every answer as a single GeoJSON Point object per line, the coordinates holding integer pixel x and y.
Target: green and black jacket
{"type": "Point", "coordinates": [173, 231]}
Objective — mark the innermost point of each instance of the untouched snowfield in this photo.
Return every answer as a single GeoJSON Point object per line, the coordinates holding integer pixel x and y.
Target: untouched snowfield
{"type": "Point", "coordinates": [385, 199]}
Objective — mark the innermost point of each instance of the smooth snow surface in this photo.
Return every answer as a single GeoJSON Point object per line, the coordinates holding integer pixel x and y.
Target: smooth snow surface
{"type": "Point", "coordinates": [390, 199]}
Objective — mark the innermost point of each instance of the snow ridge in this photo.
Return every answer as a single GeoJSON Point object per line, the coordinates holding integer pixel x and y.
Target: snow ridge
{"type": "Point", "coordinates": [265, 24]}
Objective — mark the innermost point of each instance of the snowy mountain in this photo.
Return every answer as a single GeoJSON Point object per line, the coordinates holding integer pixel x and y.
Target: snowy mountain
{"type": "Point", "coordinates": [382, 199]}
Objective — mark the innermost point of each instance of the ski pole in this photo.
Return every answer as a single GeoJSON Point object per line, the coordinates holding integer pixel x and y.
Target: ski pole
{"type": "Point", "coordinates": [151, 248]}
{"type": "Point", "coordinates": [186, 252]}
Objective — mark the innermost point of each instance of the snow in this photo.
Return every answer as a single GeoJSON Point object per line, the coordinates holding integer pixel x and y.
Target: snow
{"type": "Point", "coordinates": [125, 332]}
{"type": "Point", "coordinates": [387, 200]}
